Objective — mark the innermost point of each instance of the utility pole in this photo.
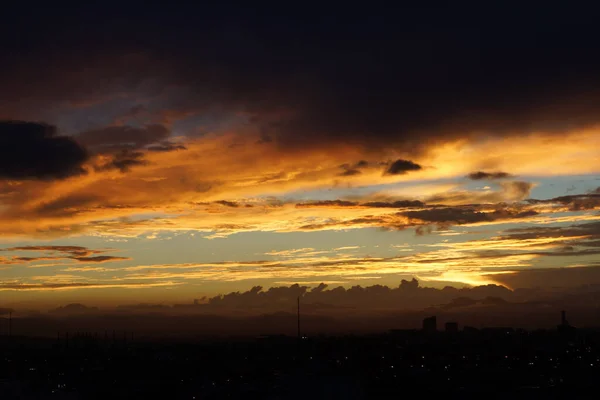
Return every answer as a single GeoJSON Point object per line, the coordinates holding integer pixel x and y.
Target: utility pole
{"type": "Point", "coordinates": [10, 324]}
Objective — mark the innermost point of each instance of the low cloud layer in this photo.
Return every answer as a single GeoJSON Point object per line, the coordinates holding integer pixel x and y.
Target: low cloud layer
{"type": "Point", "coordinates": [407, 295]}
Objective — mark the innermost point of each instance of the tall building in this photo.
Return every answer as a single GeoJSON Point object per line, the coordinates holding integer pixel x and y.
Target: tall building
{"type": "Point", "coordinates": [430, 324]}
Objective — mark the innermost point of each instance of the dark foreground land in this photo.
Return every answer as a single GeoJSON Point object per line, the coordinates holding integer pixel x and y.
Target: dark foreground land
{"type": "Point", "coordinates": [493, 363]}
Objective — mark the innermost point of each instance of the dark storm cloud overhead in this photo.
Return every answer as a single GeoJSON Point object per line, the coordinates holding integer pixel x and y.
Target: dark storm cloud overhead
{"type": "Point", "coordinates": [400, 167]}
{"type": "Point", "coordinates": [31, 150]}
{"type": "Point", "coordinates": [480, 175]}
{"type": "Point", "coordinates": [406, 77]}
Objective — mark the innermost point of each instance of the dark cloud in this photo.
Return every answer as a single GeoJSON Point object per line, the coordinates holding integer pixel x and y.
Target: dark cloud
{"type": "Point", "coordinates": [408, 294]}
{"type": "Point", "coordinates": [480, 175]}
{"type": "Point", "coordinates": [576, 202]}
{"type": "Point", "coordinates": [350, 172]}
{"type": "Point", "coordinates": [395, 204]}
{"type": "Point", "coordinates": [122, 138]}
{"type": "Point", "coordinates": [327, 203]}
{"type": "Point", "coordinates": [370, 204]}
{"type": "Point", "coordinates": [166, 146]}
{"type": "Point", "coordinates": [30, 259]}
{"type": "Point", "coordinates": [124, 160]}
{"type": "Point", "coordinates": [68, 205]}
{"type": "Point", "coordinates": [354, 169]}
{"type": "Point", "coordinates": [77, 253]}
{"type": "Point", "coordinates": [423, 230]}
{"type": "Point", "coordinates": [465, 215]}
{"type": "Point", "coordinates": [34, 151]}
{"type": "Point", "coordinates": [590, 229]}
{"type": "Point", "coordinates": [404, 76]}
{"type": "Point", "coordinates": [420, 217]}
{"type": "Point", "coordinates": [400, 167]}
{"type": "Point", "coordinates": [100, 259]}
{"type": "Point", "coordinates": [124, 144]}
{"type": "Point", "coordinates": [226, 203]}
{"type": "Point", "coordinates": [390, 222]}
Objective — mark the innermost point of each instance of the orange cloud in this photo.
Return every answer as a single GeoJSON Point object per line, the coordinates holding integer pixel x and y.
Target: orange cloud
{"type": "Point", "coordinates": [233, 184]}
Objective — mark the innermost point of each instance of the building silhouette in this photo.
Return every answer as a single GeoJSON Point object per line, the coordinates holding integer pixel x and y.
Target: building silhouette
{"type": "Point", "coordinates": [430, 324]}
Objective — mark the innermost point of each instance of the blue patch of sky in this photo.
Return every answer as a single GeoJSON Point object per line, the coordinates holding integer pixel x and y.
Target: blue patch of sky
{"type": "Point", "coordinates": [548, 187]}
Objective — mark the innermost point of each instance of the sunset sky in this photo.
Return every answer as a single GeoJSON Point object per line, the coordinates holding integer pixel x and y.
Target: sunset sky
{"type": "Point", "coordinates": [160, 154]}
